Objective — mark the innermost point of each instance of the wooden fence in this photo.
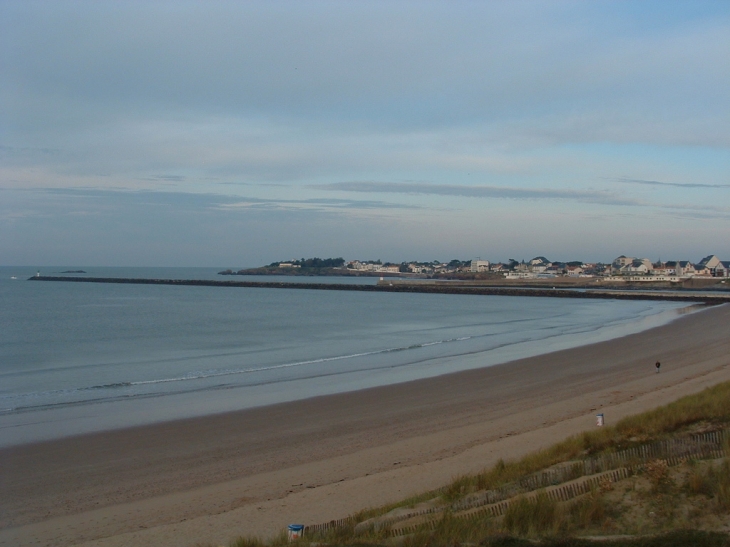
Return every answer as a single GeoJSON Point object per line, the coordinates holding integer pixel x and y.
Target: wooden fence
{"type": "Point", "coordinates": [559, 483]}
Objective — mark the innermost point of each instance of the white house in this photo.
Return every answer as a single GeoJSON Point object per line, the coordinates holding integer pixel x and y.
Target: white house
{"type": "Point", "coordinates": [574, 271]}
{"type": "Point", "coordinates": [710, 262]}
{"type": "Point", "coordinates": [621, 262]}
{"type": "Point", "coordinates": [685, 268]}
{"type": "Point", "coordinates": [713, 266]}
{"type": "Point", "coordinates": [479, 265]}
{"type": "Point", "coordinates": [624, 265]}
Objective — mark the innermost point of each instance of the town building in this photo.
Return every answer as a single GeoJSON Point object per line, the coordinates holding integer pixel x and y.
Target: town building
{"type": "Point", "coordinates": [478, 265]}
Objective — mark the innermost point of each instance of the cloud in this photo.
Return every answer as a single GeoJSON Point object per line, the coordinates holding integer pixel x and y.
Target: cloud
{"type": "Point", "coordinates": [495, 192]}
{"type": "Point", "coordinates": [483, 192]}
{"type": "Point", "coordinates": [697, 212]}
{"type": "Point", "coordinates": [97, 199]}
{"type": "Point", "coordinates": [98, 226]}
{"type": "Point", "coordinates": [522, 103]}
{"type": "Point", "coordinates": [313, 204]}
{"type": "Point", "coordinates": [674, 184]}
{"type": "Point", "coordinates": [370, 64]}
{"type": "Point", "coordinates": [168, 178]}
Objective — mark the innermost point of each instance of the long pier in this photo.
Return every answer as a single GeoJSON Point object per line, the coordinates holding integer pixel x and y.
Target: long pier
{"type": "Point", "coordinates": [416, 287]}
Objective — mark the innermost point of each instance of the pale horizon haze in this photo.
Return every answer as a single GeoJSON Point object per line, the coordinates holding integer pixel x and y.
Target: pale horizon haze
{"type": "Point", "coordinates": [235, 134]}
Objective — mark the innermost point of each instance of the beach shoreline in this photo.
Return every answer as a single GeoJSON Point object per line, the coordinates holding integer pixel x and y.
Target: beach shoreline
{"type": "Point", "coordinates": [225, 378]}
{"type": "Point", "coordinates": [254, 471]}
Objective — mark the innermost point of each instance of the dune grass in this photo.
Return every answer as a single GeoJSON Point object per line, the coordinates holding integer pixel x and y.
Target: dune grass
{"type": "Point", "coordinates": [711, 406]}
{"type": "Point", "coordinates": [712, 482]}
{"type": "Point", "coordinates": [540, 517]}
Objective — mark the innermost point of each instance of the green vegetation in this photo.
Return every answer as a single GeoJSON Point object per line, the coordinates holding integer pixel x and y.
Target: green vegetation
{"type": "Point", "coordinates": [657, 505]}
{"type": "Point", "coordinates": [712, 482]}
{"type": "Point", "coordinates": [711, 407]}
{"type": "Point", "coordinates": [303, 266]}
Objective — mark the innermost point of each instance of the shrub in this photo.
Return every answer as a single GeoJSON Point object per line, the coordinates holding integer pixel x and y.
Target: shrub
{"type": "Point", "coordinates": [713, 482]}
{"type": "Point", "coordinates": [589, 511]}
{"type": "Point", "coordinates": [533, 516]}
{"type": "Point", "coordinates": [702, 481]}
{"type": "Point", "coordinates": [658, 473]}
{"type": "Point", "coordinates": [722, 477]}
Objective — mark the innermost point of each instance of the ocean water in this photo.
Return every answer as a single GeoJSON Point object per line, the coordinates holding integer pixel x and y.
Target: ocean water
{"type": "Point", "coordinates": [78, 357]}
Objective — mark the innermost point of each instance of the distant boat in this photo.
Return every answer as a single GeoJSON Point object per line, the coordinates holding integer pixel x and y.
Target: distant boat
{"type": "Point", "coordinates": [13, 277]}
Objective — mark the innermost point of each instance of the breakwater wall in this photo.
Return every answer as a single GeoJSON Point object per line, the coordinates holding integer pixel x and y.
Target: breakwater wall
{"type": "Point", "coordinates": [427, 288]}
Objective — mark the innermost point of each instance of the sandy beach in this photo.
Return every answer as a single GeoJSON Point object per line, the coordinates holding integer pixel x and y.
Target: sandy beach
{"type": "Point", "coordinates": [253, 472]}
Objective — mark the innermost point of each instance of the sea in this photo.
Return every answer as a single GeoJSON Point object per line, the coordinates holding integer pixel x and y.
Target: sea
{"type": "Point", "coordinates": [82, 357]}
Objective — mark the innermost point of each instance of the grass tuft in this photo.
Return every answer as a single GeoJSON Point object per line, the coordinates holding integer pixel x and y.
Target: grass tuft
{"type": "Point", "coordinates": [534, 516]}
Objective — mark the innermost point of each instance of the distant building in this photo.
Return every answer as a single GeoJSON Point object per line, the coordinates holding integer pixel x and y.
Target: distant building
{"type": "Point", "coordinates": [538, 264]}
{"type": "Point", "coordinates": [520, 275]}
{"type": "Point", "coordinates": [574, 271]}
{"type": "Point", "coordinates": [711, 265]}
{"type": "Point", "coordinates": [710, 262]}
{"type": "Point", "coordinates": [363, 266]}
{"type": "Point", "coordinates": [419, 268]}
{"type": "Point", "coordinates": [624, 265]}
{"type": "Point", "coordinates": [684, 268]}
{"type": "Point", "coordinates": [664, 269]}
{"type": "Point", "coordinates": [479, 266]}
{"type": "Point", "coordinates": [622, 261]}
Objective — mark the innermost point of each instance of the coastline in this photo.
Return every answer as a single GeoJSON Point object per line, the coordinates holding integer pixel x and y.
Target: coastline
{"type": "Point", "coordinates": [65, 420]}
{"type": "Point", "coordinates": [254, 471]}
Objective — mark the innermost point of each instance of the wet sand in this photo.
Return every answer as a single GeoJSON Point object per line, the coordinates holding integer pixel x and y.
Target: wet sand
{"type": "Point", "coordinates": [212, 478]}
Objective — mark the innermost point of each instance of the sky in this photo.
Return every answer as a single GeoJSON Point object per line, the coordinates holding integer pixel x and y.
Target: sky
{"type": "Point", "coordinates": [235, 134]}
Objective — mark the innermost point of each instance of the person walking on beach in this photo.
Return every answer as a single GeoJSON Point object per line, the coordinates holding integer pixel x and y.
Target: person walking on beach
{"type": "Point", "coordinates": [658, 364]}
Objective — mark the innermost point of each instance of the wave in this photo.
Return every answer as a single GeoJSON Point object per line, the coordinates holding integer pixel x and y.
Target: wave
{"type": "Point", "coordinates": [217, 373]}
{"type": "Point", "coordinates": [125, 389]}
{"type": "Point", "coordinates": [201, 375]}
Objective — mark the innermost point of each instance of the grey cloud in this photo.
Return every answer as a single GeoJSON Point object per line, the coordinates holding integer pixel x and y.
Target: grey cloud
{"type": "Point", "coordinates": [352, 62]}
{"type": "Point", "coordinates": [697, 212]}
{"type": "Point", "coordinates": [699, 215]}
{"type": "Point", "coordinates": [360, 204]}
{"type": "Point", "coordinates": [191, 201]}
{"type": "Point", "coordinates": [13, 150]}
{"type": "Point", "coordinates": [261, 184]}
{"type": "Point", "coordinates": [168, 178]}
{"type": "Point", "coordinates": [496, 192]}
{"type": "Point", "coordinates": [533, 97]}
{"type": "Point", "coordinates": [91, 226]}
{"type": "Point", "coordinates": [674, 184]}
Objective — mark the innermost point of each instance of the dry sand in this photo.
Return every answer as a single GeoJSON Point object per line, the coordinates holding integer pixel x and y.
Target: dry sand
{"type": "Point", "coordinates": [253, 472]}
